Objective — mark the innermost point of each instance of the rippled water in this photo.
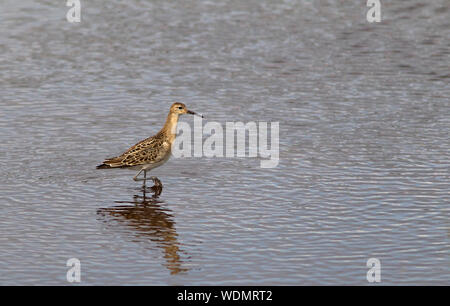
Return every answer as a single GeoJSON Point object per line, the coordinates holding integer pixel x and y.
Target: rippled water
{"type": "Point", "coordinates": [364, 148]}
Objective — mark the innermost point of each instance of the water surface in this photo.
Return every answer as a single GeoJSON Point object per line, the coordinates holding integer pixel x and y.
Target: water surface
{"type": "Point", "coordinates": [364, 148]}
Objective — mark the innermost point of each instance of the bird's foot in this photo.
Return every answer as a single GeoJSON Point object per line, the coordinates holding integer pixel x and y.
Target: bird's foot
{"type": "Point", "coordinates": [156, 181]}
{"type": "Point", "coordinates": [157, 188]}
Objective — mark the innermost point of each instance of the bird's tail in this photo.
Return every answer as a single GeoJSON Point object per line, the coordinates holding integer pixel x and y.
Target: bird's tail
{"type": "Point", "coordinates": [103, 166]}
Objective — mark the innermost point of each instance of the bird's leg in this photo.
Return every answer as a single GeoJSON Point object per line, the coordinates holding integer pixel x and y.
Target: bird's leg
{"type": "Point", "coordinates": [145, 178]}
{"type": "Point", "coordinates": [136, 176]}
{"type": "Point", "coordinates": [143, 195]}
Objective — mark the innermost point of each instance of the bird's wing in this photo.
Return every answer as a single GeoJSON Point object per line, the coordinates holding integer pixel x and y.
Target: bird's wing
{"type": "Point", "coordinates": [148, 151]}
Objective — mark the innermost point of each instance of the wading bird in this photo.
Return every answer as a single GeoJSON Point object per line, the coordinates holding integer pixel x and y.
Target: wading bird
{"type": "Point", "coordinates": [153, 151]}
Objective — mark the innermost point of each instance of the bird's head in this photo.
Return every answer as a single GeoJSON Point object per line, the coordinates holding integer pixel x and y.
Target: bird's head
{"type": "Point", "coordinates": [180, 109]}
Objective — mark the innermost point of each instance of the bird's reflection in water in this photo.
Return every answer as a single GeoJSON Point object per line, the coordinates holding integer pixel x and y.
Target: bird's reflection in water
{"type": "Point", "coordinates": [149, 220]}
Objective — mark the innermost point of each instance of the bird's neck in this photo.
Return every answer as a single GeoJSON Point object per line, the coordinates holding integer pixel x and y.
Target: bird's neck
{"type": "Point", "coordinates": [170, 127]}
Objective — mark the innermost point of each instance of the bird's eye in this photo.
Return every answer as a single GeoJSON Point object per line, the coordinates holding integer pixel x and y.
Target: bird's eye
{"type": "Point", "coordinates": [181, 107]}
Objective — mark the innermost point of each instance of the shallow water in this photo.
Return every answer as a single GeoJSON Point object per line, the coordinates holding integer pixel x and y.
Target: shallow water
{"type": "Point", "coordinates": [364, 148]}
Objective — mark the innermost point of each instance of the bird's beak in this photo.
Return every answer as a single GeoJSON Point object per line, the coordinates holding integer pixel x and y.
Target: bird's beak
{"type": "Point", "coordinates": [194, 113]}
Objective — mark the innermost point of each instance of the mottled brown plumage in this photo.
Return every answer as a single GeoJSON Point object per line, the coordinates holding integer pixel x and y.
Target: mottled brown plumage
{"type": "Point", "coordinates": [147, 151]}
{"type": "Point", "coordinates": [153, 151]}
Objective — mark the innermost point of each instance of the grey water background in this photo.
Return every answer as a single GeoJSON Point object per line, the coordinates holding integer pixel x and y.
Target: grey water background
{"type": "Point", "coordinates": [364, 147]}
